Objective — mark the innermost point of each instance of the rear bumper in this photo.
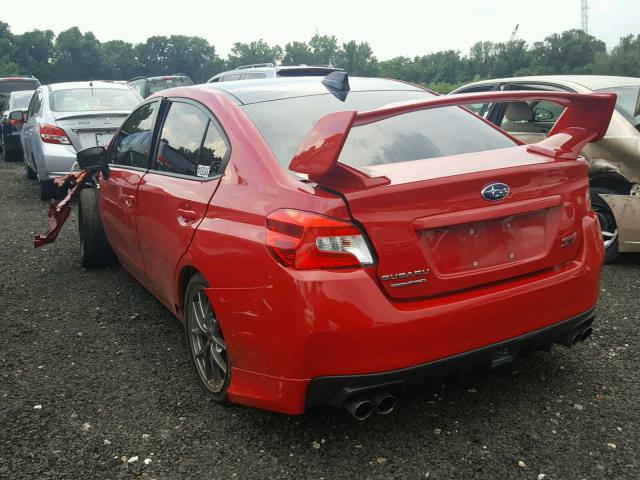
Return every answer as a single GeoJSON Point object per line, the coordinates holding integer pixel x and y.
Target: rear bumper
{"type": "Point", "coordinates": [290, 338]}
{"type": "Point", "coordinates": [56, 160]}
{"type": "Point", "coordinates": [335, 390]}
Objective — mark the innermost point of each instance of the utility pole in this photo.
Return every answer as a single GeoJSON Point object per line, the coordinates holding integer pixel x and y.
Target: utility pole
{"type": "Point", "coordinates": [514, 35]}
{"type": "Point", "coordinates": [584, 11]}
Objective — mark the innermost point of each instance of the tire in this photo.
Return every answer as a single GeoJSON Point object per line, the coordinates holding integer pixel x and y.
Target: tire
{"type": "Point", "coordinates": [607, 222]}
{"type": "Point", "coordinates": [95, 250]}
{"type": "Point", "coordinates": [207, 348]}
{"type": "Point", "coordinates": [31, 174]}
{"type": "Point", "coordinates": [47, 189]}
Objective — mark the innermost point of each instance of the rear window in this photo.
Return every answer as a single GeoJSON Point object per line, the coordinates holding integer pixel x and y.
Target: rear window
{"type": "Point", "coordinates": [21, 100]}
{"type": "Point", "coordinates": [420, 135]}
{"type": "Point", "coordinates": [8, 86]}
{"type": "Point", "coordinates": [93, 99]}
{"type": "Point", "coordinates": [305, 72]}
{"type": "Point", "coordinates": [159, 84]}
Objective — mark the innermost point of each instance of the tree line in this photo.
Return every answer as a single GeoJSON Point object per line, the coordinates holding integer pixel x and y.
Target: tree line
{"type": "Point", "coordinates": [74, 55]}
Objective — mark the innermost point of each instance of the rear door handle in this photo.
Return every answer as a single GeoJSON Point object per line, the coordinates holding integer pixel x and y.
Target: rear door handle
{"type": "Point", "coordinates": [128, 200]}
{"type": "Point", "coordinates": [186, 215]}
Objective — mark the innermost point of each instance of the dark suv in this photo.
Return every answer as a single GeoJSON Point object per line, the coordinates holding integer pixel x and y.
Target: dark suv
{"type": "Point", "coordinates": [146, 86]}
{"type": "Point", "coordinates": [14, 84]}
{"type": "Point", "coordinates": [269, 70]}
{"type": "Point", "coordinates": [10, 128]}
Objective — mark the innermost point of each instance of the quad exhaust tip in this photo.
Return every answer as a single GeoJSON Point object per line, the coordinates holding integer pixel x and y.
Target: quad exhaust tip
{"type": "Point", "coordinates": [578, 335]}
{"type": "Point", "coordinates": [360, 407]}
{"type": "Point", "coordinates": [363, 406]}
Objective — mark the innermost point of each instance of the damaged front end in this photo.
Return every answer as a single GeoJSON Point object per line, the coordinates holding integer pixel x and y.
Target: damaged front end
{"type": "Point", "coordinates": [92, 161]}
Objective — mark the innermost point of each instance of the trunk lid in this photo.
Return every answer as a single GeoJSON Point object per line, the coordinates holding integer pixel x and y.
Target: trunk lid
{"type": "Point", "coordinates": [457, 220]}
{"type": "Point", "coordinates": [435, 233]}
{"type": "Point", "coordinates": [90, 129]}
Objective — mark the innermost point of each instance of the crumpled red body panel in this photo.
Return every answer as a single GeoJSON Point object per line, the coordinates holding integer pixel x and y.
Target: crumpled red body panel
{"type": "Point", "coordinates": [59, 211]}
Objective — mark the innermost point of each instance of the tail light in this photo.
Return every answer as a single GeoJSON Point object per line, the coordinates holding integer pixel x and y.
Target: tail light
{"type": "Point", "coordinates": [305, 240]}
{"type": "Point", "coordinates": [53, 134]}
{"type": "Point", "coordinates": [15, 122]}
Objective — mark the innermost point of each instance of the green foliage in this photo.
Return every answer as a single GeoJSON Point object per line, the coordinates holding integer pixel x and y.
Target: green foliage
{"type": "Point", "coordinates": [254, 52]}
{"type": "Point", "coordinates": [74, 55]}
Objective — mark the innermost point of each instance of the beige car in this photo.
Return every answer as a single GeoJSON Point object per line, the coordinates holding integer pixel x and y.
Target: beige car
{"type": "Point", "coordinates": [614, 160]}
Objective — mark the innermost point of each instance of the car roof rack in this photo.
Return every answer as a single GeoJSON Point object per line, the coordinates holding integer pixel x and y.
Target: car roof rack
{"type": "Point", "coordinates": [255, 65]}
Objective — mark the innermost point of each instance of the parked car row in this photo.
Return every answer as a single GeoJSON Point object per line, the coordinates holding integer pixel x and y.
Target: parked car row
{"type": "Point", "coordinates": [329, 240]}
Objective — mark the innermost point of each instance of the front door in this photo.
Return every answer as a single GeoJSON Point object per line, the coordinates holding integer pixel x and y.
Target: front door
{"type": "Point", "coordinates": [129, 158]}
{"type": "Point", "coordinates": [173, 196]}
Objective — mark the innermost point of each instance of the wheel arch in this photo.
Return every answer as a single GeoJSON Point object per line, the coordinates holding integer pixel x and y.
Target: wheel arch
{"type": "Point", "coordinates": [613, 181]}
{"type": "Point", "coordinates": [187, 272]}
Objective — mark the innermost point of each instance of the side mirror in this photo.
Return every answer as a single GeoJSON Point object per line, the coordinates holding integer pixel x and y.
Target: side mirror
{"type": "Point", "coordinates": [542, 115]}
{"type": "Point", "coordinates": [94, 158]}
{"type": "Point", "coordinates": [17, 116]}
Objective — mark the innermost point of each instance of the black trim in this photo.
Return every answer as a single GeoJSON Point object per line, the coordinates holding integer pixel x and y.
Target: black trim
{"type": "Point", "coordinates": [334, 390]}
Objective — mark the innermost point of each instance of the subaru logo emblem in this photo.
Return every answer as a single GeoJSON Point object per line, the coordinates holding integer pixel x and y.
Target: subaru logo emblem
{"type": "Point", "coordinates": [495, 191]}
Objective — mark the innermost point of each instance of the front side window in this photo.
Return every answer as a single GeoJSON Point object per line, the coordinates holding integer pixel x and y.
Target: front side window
{"type": "Point", "coordinates": [92, 99]}
{"type": "Point", "coordinates": [189, 143]}
{"type": "Point", "coordinates": [133, 143]}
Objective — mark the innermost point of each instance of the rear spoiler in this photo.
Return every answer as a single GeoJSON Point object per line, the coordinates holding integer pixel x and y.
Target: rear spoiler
{"type": "Point", "coordinates": [585, 119]}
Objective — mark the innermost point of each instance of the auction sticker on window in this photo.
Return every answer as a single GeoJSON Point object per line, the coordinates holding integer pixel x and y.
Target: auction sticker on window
{"type": "Point", "coordinates": [203, 170]}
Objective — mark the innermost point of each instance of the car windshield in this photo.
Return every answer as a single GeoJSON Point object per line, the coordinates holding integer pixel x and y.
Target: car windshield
{"type": "Point", "coordinates": [420, 135]}
{"type": "Point", "coordinates": [21, 100]}
{"type": "Point", "coordinates": [628, 102]}
{"type": "Point", "coordinates": [88, 99]}
{"type": "Point", "coordinates": [159, 84]}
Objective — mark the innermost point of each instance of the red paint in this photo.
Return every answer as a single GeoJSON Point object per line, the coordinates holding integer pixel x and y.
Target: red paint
{"type": "Point", "coordinates": [284, 326]}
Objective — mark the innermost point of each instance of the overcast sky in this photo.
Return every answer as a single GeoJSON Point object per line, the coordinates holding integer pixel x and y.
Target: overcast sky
{"type": "Point", "coordinates": [392, 28]}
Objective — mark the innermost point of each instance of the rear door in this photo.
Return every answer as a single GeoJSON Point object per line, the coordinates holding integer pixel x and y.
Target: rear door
{"type": "Point", "coordinates": [30, 127]}
{"type": "Point", "coordinates": [173, 197]}
{"type": "Point", "coordinates": [129, 158]}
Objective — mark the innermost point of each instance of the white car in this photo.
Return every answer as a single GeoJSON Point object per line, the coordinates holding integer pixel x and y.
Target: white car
{"type": "Point", "coordinates": [64, 118]}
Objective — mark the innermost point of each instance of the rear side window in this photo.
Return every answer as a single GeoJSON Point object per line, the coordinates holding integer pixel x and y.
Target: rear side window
{"type": "Point", "coordinates": [131, 146]}
{"type": "Point", "coordinates": [190, 143]}
{"type": "Point", "coordinates": [252, 76]}
{"type": "Point", "coordinates": [420, 135]}
{"type": "Point", "coordinates": [231, 78]}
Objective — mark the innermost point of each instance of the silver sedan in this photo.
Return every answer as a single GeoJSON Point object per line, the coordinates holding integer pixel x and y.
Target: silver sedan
{"type": "Point", "coordinates": [64, 118]}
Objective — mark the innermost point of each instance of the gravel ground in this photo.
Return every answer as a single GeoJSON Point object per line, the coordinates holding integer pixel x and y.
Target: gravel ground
{"type": "Point", "coordinates": [96, 383]}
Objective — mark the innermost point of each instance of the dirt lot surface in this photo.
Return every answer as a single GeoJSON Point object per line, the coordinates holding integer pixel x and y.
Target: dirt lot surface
{"type": "Point", "coordinates": [95, 383]}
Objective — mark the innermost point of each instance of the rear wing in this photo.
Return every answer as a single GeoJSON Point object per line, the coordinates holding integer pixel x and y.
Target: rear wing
{"type": "Point", "coordinates": [585, 119]}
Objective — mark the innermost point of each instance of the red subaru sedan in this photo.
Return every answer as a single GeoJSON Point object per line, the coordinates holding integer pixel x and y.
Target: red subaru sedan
{"type": "Point", "coordinates": [330, 241]}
